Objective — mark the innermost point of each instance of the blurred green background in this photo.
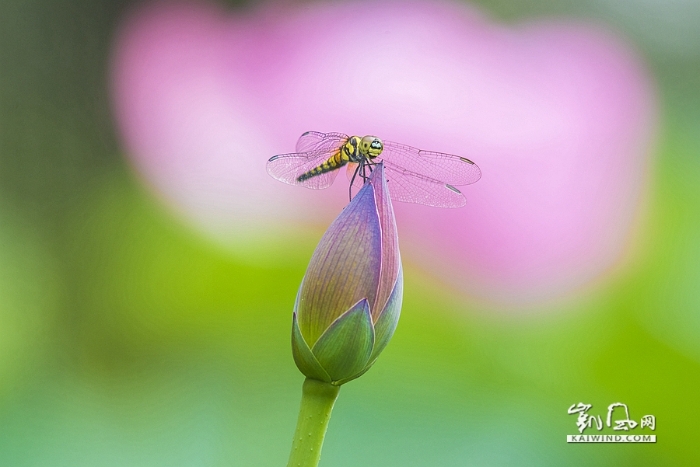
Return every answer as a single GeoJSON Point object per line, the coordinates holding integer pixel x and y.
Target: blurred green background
{"type": "Point", "coordinates": [126, 339]}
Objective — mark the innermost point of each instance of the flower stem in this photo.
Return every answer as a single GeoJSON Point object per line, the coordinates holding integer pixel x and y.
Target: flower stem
{"type": "Point", "coordinates": [317, 399]}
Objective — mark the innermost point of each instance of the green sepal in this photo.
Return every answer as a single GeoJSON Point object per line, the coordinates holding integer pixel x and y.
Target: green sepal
{"type": "Point", "coordinates": [343, 350]}
{"type": "Point", "coordinates": [303, 357]}
{"type": "Point", "coordinates": [386, 325]}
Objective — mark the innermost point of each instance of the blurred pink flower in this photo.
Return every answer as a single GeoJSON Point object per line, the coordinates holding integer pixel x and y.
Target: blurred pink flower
{"type": "Point", "coordinates": [559, 116]}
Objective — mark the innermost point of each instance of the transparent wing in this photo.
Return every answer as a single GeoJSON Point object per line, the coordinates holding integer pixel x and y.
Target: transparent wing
{"type": "Point", "coordinates": [313, 140]}
{"type": "Point", "coordinates": [287, 168]}
{"type": "Point", "coordinates": [452, 170]}
{"type": "Point", "coordinates": [315, 148]}
{"type": "Point", "coordinates": [410, 187]}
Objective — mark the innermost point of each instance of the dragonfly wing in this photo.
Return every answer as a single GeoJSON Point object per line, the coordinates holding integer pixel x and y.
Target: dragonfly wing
{"type": "Point", "coordinates": [447, 168]}
{"type": "Point", "coordinates": [314, 140]}
{"type": "Point", "coordinates": [313, 148]}
{"type": "Point", "coordinates": [287, 168]}
{"type": "Point", "coordinates": [411, 187]}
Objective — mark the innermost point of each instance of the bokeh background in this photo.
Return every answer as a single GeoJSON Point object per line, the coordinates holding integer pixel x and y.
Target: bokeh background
{"type": "Point", "coordinates": [145, 314]}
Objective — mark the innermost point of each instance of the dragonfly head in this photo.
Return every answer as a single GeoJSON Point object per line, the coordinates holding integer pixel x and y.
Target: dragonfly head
{"type": "Point", "coordinates": [371, 146]}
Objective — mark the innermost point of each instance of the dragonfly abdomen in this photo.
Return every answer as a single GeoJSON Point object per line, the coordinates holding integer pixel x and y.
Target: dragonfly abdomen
{"type": "Point", "coordinates": [335, 161]}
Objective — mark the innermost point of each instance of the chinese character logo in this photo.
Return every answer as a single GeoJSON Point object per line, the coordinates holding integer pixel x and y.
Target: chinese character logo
{"type": "Point", "coordinates": [584, 420]}
{"type": "Point", "coordinates": [618, 417]}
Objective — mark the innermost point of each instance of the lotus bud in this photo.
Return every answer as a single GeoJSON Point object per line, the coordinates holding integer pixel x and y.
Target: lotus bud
{"type": "Point", "coordinates": [349, 301]}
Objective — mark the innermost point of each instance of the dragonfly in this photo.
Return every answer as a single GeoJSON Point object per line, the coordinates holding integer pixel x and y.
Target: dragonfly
{"type": "Point", "coordinates": [413, 175]}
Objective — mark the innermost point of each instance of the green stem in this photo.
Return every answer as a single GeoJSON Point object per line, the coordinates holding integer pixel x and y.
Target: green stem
{"type": "Point", "coordinates": [317, 399]}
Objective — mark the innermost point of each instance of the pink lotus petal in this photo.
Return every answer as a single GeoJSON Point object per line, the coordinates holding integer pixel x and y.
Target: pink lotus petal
{"type": "Point", "coordinates": [558, 115]}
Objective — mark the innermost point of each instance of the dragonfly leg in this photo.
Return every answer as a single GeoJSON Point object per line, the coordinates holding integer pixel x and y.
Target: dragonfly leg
{"type": "Point", "coordinates": [366, 164]}
{"type": "Point", "coordinates": [357, 169]}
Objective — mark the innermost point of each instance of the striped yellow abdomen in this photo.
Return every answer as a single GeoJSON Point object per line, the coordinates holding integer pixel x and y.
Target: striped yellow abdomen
{"type": "Point", "coordinates": [332, 163]}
